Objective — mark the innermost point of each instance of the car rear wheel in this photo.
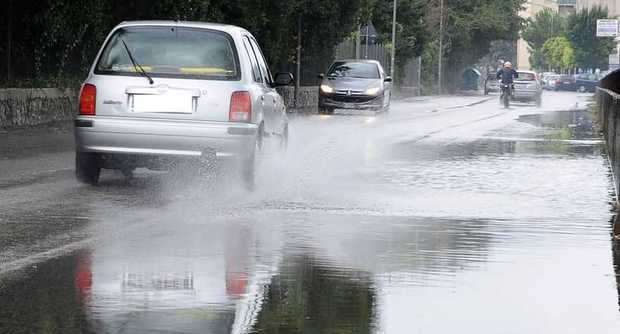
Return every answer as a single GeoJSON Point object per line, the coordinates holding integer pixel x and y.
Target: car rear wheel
{"type": "Point", "coordinates": [582, 89]}
{"type": "Point", "coordinates": [87, 169]}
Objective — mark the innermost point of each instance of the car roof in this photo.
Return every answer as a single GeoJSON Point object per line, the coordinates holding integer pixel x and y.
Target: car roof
{"type": "Point", "coordinates": [189, 24]}
{"type": "Point", "coordinates": [369, 61]}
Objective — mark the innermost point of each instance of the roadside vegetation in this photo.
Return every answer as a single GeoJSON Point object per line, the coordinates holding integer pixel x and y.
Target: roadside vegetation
{"type": "Point", "coordinates": [53, 42]}
{"type": "Point", "coordinates": [567, 43]}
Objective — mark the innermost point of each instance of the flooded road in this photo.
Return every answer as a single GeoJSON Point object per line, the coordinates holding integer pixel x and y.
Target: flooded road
{"type": "Point", "coordinates": [446, 215]}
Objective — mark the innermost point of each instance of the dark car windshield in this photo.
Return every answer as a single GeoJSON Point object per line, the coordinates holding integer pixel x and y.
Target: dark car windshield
{"type": "Point", "coordinates": [171, 51]}
{"type": "Point", "coordinates": [527, 76]}
{"type": "Point", "coordinates": [354, 70]}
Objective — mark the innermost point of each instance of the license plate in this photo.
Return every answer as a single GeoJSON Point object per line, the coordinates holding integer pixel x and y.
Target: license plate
{"type": "Point", "coordinates": [349, 106]}
{"type": "Point", "coordinates": [172, 101]}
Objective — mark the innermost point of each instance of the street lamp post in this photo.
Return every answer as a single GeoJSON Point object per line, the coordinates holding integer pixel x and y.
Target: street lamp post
{"type": "Point", "coordinates": [393, 41]}
{"type": "Point", "coordinates": [440, 65]}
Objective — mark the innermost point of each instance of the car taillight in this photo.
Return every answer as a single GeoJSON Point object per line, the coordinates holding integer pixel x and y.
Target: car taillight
{"type": "Point", "coordinates": [240, 107]}
{"type": "Point", "coordinates": [88, 100]}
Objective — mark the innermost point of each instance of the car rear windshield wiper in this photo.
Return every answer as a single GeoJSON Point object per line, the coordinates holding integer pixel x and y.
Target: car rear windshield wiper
{"type": "Point", "coordinates": [136, 65]}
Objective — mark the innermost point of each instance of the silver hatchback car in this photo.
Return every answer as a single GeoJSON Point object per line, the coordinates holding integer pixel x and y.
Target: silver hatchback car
{"type": "Point", "coordinates": [163, 91]}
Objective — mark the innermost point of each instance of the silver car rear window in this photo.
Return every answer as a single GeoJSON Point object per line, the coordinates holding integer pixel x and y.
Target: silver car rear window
{"type": "Point", "coordinates": [178, 52]}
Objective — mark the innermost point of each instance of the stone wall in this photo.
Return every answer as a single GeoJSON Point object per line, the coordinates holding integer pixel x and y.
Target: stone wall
{"type": "Point", "coordinates": [31, 107]}
{"type": "Point", "coordinates": [307, 101]}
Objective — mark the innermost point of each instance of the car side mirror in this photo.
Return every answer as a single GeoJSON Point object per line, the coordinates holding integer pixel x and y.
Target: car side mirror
{"type": "Point", "coordinates": [388, 79]}
{"type": "Point", "coordinates": [284, 79]}
{"type": "Point", "coordinates": [321, 76]}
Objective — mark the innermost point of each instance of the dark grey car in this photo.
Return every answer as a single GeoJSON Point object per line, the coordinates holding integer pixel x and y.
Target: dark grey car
{"type": "Point", "coordinates": [355, 84]}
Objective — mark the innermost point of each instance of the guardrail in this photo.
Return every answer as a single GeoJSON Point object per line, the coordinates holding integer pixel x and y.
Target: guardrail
{"type": "Point", "coordinates": [608, 105]}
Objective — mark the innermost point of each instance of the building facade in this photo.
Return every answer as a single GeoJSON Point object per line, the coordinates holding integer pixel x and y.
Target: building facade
{"type": "Point", "coordinates": [612, 5]}
{"type": "Point", "coordinates": [531, 8]}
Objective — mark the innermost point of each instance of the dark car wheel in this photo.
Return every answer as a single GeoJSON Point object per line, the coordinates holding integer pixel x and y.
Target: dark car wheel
{"type": "Point", "coordinates": [87, 169]}
{"type": "Point", "coordinates": [326, 110]}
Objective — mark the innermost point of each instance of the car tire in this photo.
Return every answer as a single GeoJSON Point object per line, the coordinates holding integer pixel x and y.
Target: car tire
{"type": "Point", "coordinates": [582, 89]}
{"type": "Point", "coordinates": [284, 140]}
{"type": "Point", "coordinates": [326, 110]}
{"type": "Point", "coordinates": [248, 163]}
{"type": "Point", "coordinates": [87, 169]}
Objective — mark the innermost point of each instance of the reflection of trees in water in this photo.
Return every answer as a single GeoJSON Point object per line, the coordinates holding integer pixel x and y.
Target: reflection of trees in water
{"type": "Point", "coordinates": [311, 298]}
{"type": "Point", "coordinates": [46, 300]}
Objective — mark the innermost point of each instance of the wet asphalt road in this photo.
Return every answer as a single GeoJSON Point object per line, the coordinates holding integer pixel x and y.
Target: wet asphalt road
{"type": "Point", "coordinates": [446, 215]}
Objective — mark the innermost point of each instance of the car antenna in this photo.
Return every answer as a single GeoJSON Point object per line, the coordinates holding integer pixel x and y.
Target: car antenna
{"type": "Point", "coordinates": [136, 65]}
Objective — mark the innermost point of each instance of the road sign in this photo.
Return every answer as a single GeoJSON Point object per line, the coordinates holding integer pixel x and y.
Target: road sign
{"type": "Point", "coordinates": [606, 28]}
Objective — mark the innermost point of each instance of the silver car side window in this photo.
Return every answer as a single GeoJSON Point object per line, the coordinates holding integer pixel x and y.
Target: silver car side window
{"type": "Point", "coordinates": [261, 61]}
{"type": "Point", "coordinates": [255, 67]}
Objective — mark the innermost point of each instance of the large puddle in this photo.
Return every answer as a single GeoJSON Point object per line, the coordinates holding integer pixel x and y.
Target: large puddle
{"type": "Point", "coordinates": [507, 233]}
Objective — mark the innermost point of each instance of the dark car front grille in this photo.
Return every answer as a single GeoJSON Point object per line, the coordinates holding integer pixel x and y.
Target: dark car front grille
{"type": "Point", "coordinates": [352, 98]}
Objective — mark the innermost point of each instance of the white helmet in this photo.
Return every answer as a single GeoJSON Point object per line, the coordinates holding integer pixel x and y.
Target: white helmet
{"type": "Point", "coordinates": [508, 64]}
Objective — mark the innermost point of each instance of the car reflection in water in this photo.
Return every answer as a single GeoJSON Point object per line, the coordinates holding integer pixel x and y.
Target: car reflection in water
{"type": "Point", "coordinates": [151, 291]}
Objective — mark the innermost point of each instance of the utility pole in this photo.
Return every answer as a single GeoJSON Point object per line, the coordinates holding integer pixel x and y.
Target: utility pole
{"type": "Point", "coordinates": [9, 39]}
{"type": "Point", "coordinates": [393, 41]}
{"type": "Point", "coordinates": [358, 43]}
{"type": "Point", "coordinates": [367, 36]}
{"type": "Point", "coordinates": [440, 76]}
{"type": "Point", "coordinates": [298, 77]}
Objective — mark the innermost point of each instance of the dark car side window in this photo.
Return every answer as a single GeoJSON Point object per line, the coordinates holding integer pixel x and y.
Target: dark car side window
{"type": "Point", "coordinates": [261, 61]}
{"type": "Point", "coordinates": [256, 75]}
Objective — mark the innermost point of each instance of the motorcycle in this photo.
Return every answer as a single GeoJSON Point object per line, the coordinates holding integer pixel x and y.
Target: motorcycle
{"type": "Point", "coordinates": [506, 95]}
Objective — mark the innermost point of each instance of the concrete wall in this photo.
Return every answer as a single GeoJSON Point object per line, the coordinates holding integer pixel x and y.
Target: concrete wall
{"type": "Point", "coordinates": [608, 105]}
{"type": "Point", "coordinates": [32, 107]}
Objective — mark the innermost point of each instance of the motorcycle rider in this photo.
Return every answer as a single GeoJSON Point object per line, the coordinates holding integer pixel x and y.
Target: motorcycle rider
{"type": "Point", "coordinates": [507, 75]}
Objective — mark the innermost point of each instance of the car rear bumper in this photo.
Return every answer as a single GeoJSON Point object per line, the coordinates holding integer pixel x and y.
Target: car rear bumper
{"type": "Point", "coordinates": [132, 136]}
{"type": "Point", "coordinates": [525, 94]}
{"type": "Point", "coordinates": [351, 102]}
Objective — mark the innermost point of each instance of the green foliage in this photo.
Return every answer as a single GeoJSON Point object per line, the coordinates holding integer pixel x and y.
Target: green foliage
{"type": "Point", "coordinates": [411, 33]}
{"type": "Point", "coordinates": [587, 51]}
{"type": "Point", "coordinates": [545, 25]}
{"type": "Point", "coordinates": [591, 52]}
{"type": "Point", "coordinates": [559, 53]}
{"type": "Point", "coordinates": [63, 36]}
{"type": "Point", "coordinates": [471, 27]}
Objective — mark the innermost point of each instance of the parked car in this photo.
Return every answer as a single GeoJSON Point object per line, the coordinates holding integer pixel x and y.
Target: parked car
{"type": "Point", "coordinates": [565, 82]}
{"type": "Point", "coordinates": [527, 88]}
{"type": "Point", "coordinates": [587, 82]}
{"type": "Point", "coordinates": [491, 84]}
{"type": "Point", "coordinates": [355, 84]}
{"type": "Point", "coordinates": [550, 81]}
{"type": "Point", "coordinates": [546, 77]}
{"type": "Point", "coordinates": [164, 91]}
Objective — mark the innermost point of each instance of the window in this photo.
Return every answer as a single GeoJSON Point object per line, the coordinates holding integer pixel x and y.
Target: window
{"type": "Point", "coordinates": [171, 52]}
{"type": "Point", "coordinates": [261, 61]}
{"type": "Point", "coordinates": [354, 70]}
{"type": "Point", "coordinates": [255, 70]}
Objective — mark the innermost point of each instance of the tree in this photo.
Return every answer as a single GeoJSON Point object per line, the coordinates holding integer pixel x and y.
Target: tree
{"type": "Point", "coordinates": [411, 33]}
{"type": "Point", "coordinates": [471, 27]}
{"type": "Point", "coordinates": [559, 53]}
{"type": "Point", "coordinates": [591, 52]}
{"type": "Point", "coordinates": [545, 25]}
